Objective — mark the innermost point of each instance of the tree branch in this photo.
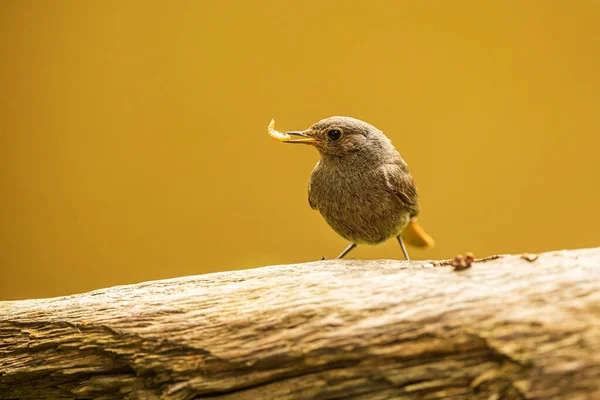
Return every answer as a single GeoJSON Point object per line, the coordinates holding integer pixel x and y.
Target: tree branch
{"type": "Point", "coordinates": [503, 329]}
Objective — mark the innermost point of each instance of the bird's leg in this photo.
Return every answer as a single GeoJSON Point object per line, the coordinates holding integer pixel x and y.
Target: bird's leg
{"type": "Point", "coordinates": [347, 250]}
{"type": "Point", "coordinates": [403, 248]}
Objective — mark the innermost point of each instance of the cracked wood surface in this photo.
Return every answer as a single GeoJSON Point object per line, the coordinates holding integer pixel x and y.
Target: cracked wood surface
{"type": "Point", "coordinates": [502, 329]}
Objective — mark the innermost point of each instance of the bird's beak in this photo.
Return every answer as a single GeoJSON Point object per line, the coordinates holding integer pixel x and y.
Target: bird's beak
{"type": "Point", "coordinates": [286, 137]}
{"type": "Point", "coordinates": [306, 138]}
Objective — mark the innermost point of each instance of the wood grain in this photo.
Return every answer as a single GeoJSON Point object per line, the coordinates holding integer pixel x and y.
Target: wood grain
{"type": "Point", "coordinates": [507, 328]}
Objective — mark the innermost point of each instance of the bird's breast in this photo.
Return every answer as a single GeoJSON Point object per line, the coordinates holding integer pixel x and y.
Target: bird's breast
{"type": "Point", "coordinates": [357, 206]}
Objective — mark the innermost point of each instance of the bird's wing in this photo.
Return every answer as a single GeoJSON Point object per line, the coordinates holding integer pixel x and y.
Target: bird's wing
{"type": "Point", "coordinates": [400, 183]}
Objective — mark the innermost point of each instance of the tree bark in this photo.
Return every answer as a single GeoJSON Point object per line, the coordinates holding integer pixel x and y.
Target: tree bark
{"type": "Point", "coordinates": [506, 328]}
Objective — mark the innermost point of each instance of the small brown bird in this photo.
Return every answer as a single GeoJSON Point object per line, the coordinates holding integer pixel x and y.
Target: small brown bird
{"type": "Point", "coordinates": [361, 185]}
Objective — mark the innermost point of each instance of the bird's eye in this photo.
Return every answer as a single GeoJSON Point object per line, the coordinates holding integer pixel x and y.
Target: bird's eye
{"type": "Point", "coordinates": [334, 134]}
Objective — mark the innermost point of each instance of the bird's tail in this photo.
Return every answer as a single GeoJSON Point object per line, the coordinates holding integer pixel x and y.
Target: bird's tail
{"type": "Point", "coordinates": [416, 236]}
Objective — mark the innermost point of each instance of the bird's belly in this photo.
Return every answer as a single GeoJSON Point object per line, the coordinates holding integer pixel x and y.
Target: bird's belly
{"type": "Point", "coordinates": [363, 213]}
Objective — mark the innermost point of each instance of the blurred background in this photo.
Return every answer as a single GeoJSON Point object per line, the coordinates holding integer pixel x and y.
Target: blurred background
{"type": "Point", "coordinates": [133, 134]}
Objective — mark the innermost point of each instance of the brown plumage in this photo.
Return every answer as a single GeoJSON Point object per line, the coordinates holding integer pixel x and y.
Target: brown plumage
{"type": "Point", "coordinates": [361, 185]}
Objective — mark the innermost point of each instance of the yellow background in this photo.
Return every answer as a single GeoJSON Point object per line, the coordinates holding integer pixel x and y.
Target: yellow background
{"type": "Point", "coordinates": [133, 139]}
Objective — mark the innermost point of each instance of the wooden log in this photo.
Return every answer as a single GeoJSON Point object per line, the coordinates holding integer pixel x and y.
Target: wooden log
{"type": "Point", "coordinates": [506, 328]}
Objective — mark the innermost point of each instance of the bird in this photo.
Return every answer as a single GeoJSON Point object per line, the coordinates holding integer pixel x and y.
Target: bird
{"type": "Point", "coordinates": [361, 185]}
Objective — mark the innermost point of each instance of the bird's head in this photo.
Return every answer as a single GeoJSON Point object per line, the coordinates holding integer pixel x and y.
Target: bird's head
{"type": "Point", "coordinates": [344, 136]}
